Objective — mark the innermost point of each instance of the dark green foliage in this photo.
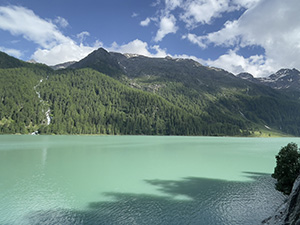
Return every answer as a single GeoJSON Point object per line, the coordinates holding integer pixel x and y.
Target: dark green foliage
{"type": "Point", "coordinates": [228, 105]}
{"type": "Point", "coordinates": [141, 96]}
{"type": "Point", "coordinates": [287, 168]}
{"type": "Point", "coordinates": [21, 111]}
{"type": "Point", "coordinates": [87, 102]}
{"type": "Point", "coordinates": [101, 61]}
{"type": "Point", "coordinates": [277, 112]}
{"type": "Point", "coordinates": [7, 61]}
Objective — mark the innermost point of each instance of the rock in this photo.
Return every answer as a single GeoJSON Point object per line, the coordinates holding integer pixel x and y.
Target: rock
{"type": "Point", "coordinates": [289, 212]}
{"type": "Point", "coordinates": [35, 133]}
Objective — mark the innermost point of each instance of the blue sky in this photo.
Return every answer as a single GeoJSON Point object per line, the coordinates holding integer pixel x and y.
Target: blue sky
{"type": "Point", "coordinates": [256, 36]}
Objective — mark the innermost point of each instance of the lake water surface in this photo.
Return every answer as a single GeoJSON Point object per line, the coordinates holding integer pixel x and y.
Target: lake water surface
{"type": "Point", "coordinates": [137, 179]}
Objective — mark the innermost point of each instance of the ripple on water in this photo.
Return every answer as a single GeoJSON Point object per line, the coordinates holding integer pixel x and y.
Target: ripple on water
{"type": "Point", "coordinates": [190, 200]}
{"type": "Point", "coordinates": [249, 202]}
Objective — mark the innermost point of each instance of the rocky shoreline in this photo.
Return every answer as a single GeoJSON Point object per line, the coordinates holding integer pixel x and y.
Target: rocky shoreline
{"type": "Point", "coordinates": [289, 212]}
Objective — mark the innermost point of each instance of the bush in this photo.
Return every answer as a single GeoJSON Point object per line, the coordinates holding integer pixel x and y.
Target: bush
{"type": "Point", "coordinates": [287, 168]}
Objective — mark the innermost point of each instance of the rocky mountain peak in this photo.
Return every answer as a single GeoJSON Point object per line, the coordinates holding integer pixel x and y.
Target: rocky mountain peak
{"type": "Point", "coordinates": [129, 55]}
{"type": "Point", "coordinates": [245, 76]}
{"type": "Point", "coordinates": [63, 65]}
{"type": "Point", "coordinates": [282, 73]}
{"type": "Point", "coordinates": [32, 61]}
{"type": "Point", "coordinates": [100, 60]}
{"type": "Point", "coordinates": [285, 79]}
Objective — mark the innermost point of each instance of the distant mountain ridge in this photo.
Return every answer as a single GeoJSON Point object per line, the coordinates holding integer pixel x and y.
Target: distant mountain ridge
{"type": "Point", "coordinates": [63, 65]}
{"type": "Point", "coordinates": [200, 90]}
{"type": "Point", "coordinates": [100, 60]}
{"type": "Point", "coordinates": [138, 66]}
{"type": "Point", "coordinates": [284, 79]}
{"type": "Point", "coordinates": [134, 65]}
{"type": "Point", "coordinates": [7, 61]}
{"type": "Point", "coordinates": [114, 93]}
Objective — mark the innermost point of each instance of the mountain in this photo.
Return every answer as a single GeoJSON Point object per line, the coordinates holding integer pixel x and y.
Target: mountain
{"type": "Point", "coordinates": [288, 79]}
{"type": "Point", "coordinates": [7, 61]}
{"type": "Point", "coordinates": [162, 69]}
{"type": "Point", "coordinates": [248, 76]}
{"type": "Point", "coordinates": [101, 61]}
{"type": "Point", "coordinates": [113, 93]}
{"type": "Point", "coordinates": [32, 61]}
{"type": "Point", "coordinates": [218, 97]}
{"type": "Point", "coordinates": [284, 79]}
{"type": "Point", "coordinates": [63, 65]}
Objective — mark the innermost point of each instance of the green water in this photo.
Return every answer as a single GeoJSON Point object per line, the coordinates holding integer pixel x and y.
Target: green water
{"type": "Point", "coordinates": [137, 179]}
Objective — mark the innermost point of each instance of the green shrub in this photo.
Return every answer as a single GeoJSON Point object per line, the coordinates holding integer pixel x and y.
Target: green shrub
{"type": "Point", "coordinates": [287, 168]}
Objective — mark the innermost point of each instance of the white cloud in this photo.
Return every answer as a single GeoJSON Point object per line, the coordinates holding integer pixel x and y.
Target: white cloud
{"type": "Point", "coordinates": [21, 21]}
{"type": "Point", "coordinates": [245, 3]}
{"type": "Point", "coordinates": [172, 4]}
{"type": "Point", "coordinates": [81, 36]}
{"type": "Point", "coordinates": [278, 30]}
{"type": "Point", "coordinates": [228, 36]}
{"type": "Point", "coordinates": [195, 40]}
{"type": "Point", "coordinates": [159, 52]}
{"type": "Point", "coordinates": [133, 15]}
{"type": "Point", "coordinates": [142, 48]}
{"type": "Point", "coordinates": [167, 25]}
{"type": "Point", "coordinates": [14, 52]}
{"type": "Point", "coordinates": [14, 41]}
{"type": "Point", "coordinates": [63, 53]}
{"type": "Point", "coordinates": [203, 11]}
{"type": "Point", "coordinates": [145, 22]}
{"type": "Point", "coordinates": [194, 13]}
{"type": "Point", "coordinates": [273, 25]}
{"type": "Point", "coordinates": [138, 47]}
{"type": "Point", "coordinates": [133, 47]}
{"type": "Point", "coordinates": [53, 46]}
{"type": "Point", "coordinates": [61, 21]}
{"type": "Point", "coordinates": [156, 3]}
{"type": "Point", "coordinates": [257, 65]}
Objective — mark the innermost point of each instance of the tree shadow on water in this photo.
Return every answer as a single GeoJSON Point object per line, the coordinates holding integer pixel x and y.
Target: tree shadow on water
{"type": "Point", "coordinates": [191, 200]}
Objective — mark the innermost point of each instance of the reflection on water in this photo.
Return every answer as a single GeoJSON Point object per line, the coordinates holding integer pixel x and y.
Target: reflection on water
{"type": "Point", "coordinates": [44, 157]}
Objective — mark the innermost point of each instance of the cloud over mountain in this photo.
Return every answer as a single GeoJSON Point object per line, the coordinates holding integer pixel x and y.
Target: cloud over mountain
{"type": "Point", "coordinates": [269, 24]}
{"type": "Point", "coordinates": [256, 36]}
{"type": "Point", "coordinates": [53, 46]}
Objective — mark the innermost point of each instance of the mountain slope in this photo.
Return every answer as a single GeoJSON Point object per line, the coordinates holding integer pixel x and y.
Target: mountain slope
{"type": "Point", "coordinates": [86, 101]}
{"type": "Point", "coordinates": [218, 97]}
{"type": "Point", "coordinates": [141, 95]}
{"type": "Point", "coordinates": [7, 61]}
{"type": "Point", "coordinates": [21, 110]}
{"type": "Point", "coordinates": [285, 79]}
{"type": "Point", "coordinates": [101, 61]}
{"type": "Point", "coordinates": [288, 79]}
{"type": "Point", "coordinates": [186, 71]}
{"type": "Point", "coordinates": [63, 65]}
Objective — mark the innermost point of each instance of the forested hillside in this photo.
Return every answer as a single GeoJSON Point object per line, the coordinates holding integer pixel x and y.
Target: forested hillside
{"type": "Point", "coordinates": [21, 111]}
{"type": "Point", "coordinates": [218, 97]}
{"type": "Point", "coordinates": [87, 102]}
{"type": "Point", "coordinates": [139, 95]}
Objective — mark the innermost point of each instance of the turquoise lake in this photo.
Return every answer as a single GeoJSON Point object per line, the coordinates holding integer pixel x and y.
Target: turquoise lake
{"type": "Point", "coordinates": [137, 179]}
